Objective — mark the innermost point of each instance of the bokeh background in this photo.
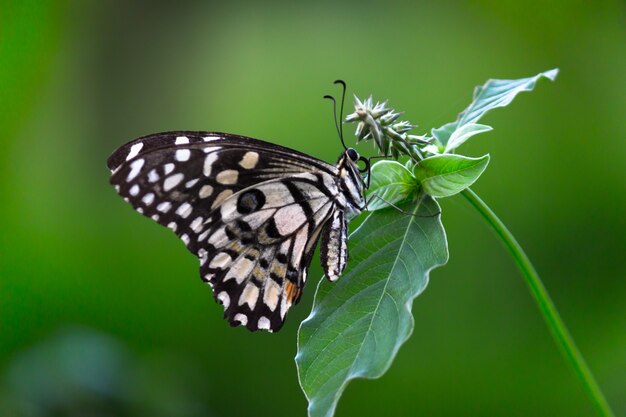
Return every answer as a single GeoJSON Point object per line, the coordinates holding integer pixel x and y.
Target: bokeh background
{"type": "Point", "coordinates": [102, 312]}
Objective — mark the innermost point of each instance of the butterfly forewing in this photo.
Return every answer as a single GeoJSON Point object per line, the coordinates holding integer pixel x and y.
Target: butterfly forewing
{"type": "Point", "coordinates": [251, 211]}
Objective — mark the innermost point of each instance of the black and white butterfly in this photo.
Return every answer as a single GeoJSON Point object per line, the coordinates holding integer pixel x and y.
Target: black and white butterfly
{"type": "Point", "coordinates": [251, 211]}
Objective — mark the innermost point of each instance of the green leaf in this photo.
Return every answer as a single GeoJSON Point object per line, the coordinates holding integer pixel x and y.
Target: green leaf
{"type": "Point", "coordinates": [443, 133]}
{"type": "Point", "coordinates": [463, 133]}
{"type": "Point", "coordinates": [358, 323]}
{"type": "Point", "coordinates": [446, 175]}
{"type": "Point", "coordinates": [491, 95]}
{"type": "Point", "coordinates": [392, 182]}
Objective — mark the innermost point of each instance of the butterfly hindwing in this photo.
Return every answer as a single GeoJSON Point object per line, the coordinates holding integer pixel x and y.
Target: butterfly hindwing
{"type": "Point", "coordinates": [256, 261]}
{"type": "Point", "coordinates": [251, 211]}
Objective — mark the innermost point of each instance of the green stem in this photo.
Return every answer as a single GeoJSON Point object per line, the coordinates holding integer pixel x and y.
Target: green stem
{"type": "Point", "coordinates": [548, 310]}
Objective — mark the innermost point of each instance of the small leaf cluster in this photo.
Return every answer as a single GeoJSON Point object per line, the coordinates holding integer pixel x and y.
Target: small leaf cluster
{"type": "Point", "coordinates": [433, 167]}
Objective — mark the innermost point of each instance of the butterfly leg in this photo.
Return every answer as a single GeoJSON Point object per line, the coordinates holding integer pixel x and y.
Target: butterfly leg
{"type": "Point", "coordinates": [373, 196]}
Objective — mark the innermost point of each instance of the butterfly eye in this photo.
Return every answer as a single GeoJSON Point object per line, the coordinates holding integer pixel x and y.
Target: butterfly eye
{"type": "Point", "coordinates": [352, 154]}
{"type": "Point", "coordinates": [366, 165]}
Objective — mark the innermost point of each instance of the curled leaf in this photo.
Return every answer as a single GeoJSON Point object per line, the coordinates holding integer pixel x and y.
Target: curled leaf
{"type": "Point", "coordinates": [446, 175]}
{"type": "Point", "coordinates": [463, 133]}
{"type": "Point", "coordinates": [491, 95]}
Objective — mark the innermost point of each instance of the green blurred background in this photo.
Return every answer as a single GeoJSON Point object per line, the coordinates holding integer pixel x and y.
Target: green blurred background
{"type": "Point", "coordinates": [102, 312]}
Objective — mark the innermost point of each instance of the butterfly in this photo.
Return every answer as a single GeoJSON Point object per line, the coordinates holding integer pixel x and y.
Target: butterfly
{"type": "Point", "coordinates": [252, 211]}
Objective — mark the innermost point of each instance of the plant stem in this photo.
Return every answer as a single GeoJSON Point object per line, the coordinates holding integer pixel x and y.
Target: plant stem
{"type": "Point", "coordinates": [546, 306]}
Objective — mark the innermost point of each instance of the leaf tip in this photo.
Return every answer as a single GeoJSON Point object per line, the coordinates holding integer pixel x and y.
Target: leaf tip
{"type": "Point", "coordinates": [551, 74]}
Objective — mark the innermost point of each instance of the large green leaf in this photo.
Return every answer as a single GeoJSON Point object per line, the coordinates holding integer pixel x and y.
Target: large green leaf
{"type": "Point", "coordinates": [491, 95]}
{"type": "Point", "coordinates": [446, 175]}
{"type": "Point", "coordinates": [391, 183]}
{"type": "Point", "coordinates": [358, 324]}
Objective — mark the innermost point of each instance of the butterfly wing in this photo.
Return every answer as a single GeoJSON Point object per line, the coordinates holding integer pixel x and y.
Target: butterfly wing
{"type": "Point", "coordinates": [258, 252]}
{"type": "Point", "coordinates": [251, 211]}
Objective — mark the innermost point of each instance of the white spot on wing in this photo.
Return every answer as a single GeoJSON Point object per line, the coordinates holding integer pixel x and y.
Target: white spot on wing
{"type": "Point", "coordinates": [134, 150]}
{"type": "Point", "coordinates": [211, 137]}
{"type": "Point", "coordinates": [196, 224]}
{"type": "Point", "coordinates": [228, 176]}
{"type": "Point", "coordinates": [221, 260]}
{"type": "Point", "coordinates": [221, 197]}
{"type": "Point", "coordinates": [218, 238]}
{"type": "Point", "coordinates": [172, 226]}
{"type": "Point", "coordinates": [240, 270]}
{"type": "Point", "coordinates": [249, 160]}
{"type": "Point", "coordinates": [264, 323]}
{"type": "Point", "coordinates": [271, 294]}
{"type": "Point", "coordinates": [205, 191]}
{"type": "Point", "coordinates": [208, 163]}
{"type": "Point", "coordinates": [168, 168]}
{"type": "Point", "coordinates": [191, 183]}
{"type": "Point", "coordinates": [249, 295]}
{"type": "Point", "coordinates": [183, 155]}
{"type": "Point", "coordinates": [148, 199]}
{"type": "Point", "coordinates": [153, 176]}
{"type": "Point", "coordinates": [241, 318]}
{"type": "Point", "coordinates": [172, 181]}
{"type": "Point", "coordinates": [184, 210]}
{"type": "Point", "coordinates": [202, 254]}
{"type": "Point", "coordinates": [203, 235]}
{"type": "Point", "coordinates": [134, 190]}
{"type": "Point", "coordinates": [164, 207]}
{"type": "Point", "coordinates": [181, 140]}
{"type": "Point", "coordinates": [224, 298]}
{"type": "Point", "coordinates": [135, 167]}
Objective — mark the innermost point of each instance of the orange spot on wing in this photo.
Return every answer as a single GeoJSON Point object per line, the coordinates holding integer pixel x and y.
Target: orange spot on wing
{"type": "Point", "coordinates": [292, 292]}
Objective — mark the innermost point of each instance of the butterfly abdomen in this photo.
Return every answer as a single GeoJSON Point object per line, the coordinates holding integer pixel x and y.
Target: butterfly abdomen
{"type": "Point", "coordinates": [334, 249]}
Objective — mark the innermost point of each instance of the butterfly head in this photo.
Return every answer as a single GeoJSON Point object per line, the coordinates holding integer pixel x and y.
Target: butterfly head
{"type": "Point", "coordinates": [353, 156]}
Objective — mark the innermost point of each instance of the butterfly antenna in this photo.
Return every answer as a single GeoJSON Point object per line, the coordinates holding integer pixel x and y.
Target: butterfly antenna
{"type": "Point", "coordinates": [343, 99]}
{"type": "Point", "coordinates": [335, 115]}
